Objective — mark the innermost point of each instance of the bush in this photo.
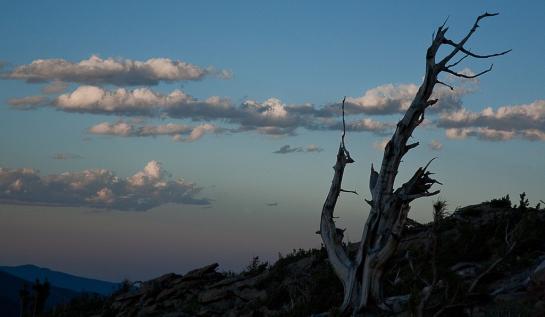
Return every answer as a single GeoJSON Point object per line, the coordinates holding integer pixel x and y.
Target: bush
{"type": "Point", "coordinates": [256, 267]}
{"type": "Point", "coordinates": [503, 202]}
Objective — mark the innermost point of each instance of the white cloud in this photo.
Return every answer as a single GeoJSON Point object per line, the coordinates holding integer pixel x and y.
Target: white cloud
{"type": "Point", "coordinates": [121, 72]}
{"type": "Point", "coordinates": [286, 149]}
{"type": "Point", "coordinates": [99, 188]}
{"type": "Point", "coordinates": [119, 128]}
{"type": "Point", "coordinates": [55, 87]}
{"type": "Point", "coordinates": [381, 144]}
{"type": "Point", "coordinates": [270, 117]}
{"type": "Point", "coordinates": [313, 148]}
{"type": "Point", "coordinates": [484, 134]}
{"type": "Point", "coordinates": [396, 98]}
{"type": "Point", "coordinates": [435, 145]}
{"type": "Point", "coordinates": [369, 125]}
{"type": "Point", "coordinates": [199, 131]}
{"type": "Point", "coordinates": [177, 131]}
{"type": "Point", "coordinates": [28, 102]}
{"type": "Point", "coordinates": [140, 101]}
{"type": "Point", "coordinates": [505, 123]}
{"type": "Point", "coordinates": [385, 99]}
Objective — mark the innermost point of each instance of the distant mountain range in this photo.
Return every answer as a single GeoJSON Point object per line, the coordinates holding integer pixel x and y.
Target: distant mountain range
{"type": "Point", "coordinates": [59, 279]}
{"type": "Point", "coordinates": [9, 294]}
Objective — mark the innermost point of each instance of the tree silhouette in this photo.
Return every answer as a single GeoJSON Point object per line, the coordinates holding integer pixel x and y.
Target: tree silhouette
{"type": "Point", "coordinates": [24, 297]}
{"type": "Point", "coordinates": [41, 292]}
{"type": "Point", "coordinates": [362, 274]}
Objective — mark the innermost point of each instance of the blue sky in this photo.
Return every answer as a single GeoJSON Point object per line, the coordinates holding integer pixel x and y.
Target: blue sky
{"type": "Point", "coordinates": [263, 59]}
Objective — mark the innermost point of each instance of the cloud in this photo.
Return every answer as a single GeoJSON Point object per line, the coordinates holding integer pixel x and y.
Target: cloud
{"type": "Point", "coordinates": [381, 144]}
{"type": "Point", "coordinates": [525, 121]}
{"type": "Point", "coordinates": [286, 149]}
{"type": "Point", "coordinates": [396, 99]}
{"type": "Point", "coordinates": [198, 132]}
{"type": "Point", "coordinates": [271, 116]}
{"type": "Point", "coordinates": [435, 145]}
{"type": "Point", "coordinates": [369, 125]}
{"type": "Point", "coordinates": [385, 99]}
{"type": "Point", "coordinates": [138, 102]}
{"type": "Point", "coordinates": [176, 131]}
{"type": "Point", "coordinates": [29, 102]}
{"type": "Point", "coordinates": [55, 87]}
{"type": "Point", "coordinates": [66, 156]}
{"type": "Point", "coordinates": [313, 148]}
{"type": "Point", "coordinates": [484, 134]}
{"type": "Point", "coordinates": [98, 188]}
{"type": "Point", "coordinates": [115, 71]}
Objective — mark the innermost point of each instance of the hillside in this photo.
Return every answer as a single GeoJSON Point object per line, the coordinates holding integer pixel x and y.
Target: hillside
{"type": "Point", "coordinates": [9, 295]}
{"type": "Point", "coordinates": [60, 279]}
{"type": "Point", "coordinates": [471, 249]}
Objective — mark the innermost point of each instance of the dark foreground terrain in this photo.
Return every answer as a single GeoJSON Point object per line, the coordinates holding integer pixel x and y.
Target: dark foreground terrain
{"type": "Point", "coordinates": [489, 259]}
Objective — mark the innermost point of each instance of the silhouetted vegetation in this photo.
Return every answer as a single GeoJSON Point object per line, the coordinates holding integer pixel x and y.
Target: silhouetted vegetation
{"type": "Point", "coordinates": [455, 249]}
{"type": "Point", "coordinates": [524, 203]}
{"type": "Point", "coordinates": [256, 266]}
{"type": "Point", "coordinates": [503, 202]}
{"type": "Point", "coordinates": [32, 305]}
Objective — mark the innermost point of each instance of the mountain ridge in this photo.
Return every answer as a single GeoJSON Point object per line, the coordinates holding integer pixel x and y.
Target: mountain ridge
{"type": "Point", "coordinates": [10, 286]}
{"type": "Point", "coordinates": [470, 241]}
{"type": "Point", "coordinates": [31, 272]}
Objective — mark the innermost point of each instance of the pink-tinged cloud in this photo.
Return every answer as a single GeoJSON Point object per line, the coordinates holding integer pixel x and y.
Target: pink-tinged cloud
{"type": "Point", "coordinates": [98, 188]}
{"type": "Point", "coordinates": [115, 71]}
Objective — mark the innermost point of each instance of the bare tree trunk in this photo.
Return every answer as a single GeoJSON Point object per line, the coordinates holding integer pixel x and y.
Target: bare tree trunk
{"type": "Point", "coordinates": [362, 275]}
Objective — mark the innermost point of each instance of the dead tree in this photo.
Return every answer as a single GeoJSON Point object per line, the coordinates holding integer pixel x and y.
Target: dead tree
{"type": "Point", "coordinates": [362, 274]}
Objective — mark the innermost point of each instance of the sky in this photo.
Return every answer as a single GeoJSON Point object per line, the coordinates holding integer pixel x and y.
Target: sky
{"type": "Point", "coordinates": [141, 138]}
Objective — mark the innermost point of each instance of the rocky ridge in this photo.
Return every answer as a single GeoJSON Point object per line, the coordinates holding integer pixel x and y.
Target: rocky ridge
{"type": "Point", "coordinates": [471, 240]}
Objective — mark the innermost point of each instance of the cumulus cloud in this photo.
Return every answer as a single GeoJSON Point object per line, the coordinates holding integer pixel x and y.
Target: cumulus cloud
{"type": "Point", "coordinates": [286, 149]}
{"type": "Point", "coordinates": [435, 145]}
{"type": "Point", "coordinates": [369, 125]}
{"type": "Point", "coordinates": [55, 87]}
{"type": "Point", "coordinates": [98, 188]}
{"type": "Point", "coordinates": [358, 125]}
{"type": "Point", "coordinates": [484, 134]}
{"type": "Point", "coordinates": [271, 116]}
{"type": "Point", "coordinates": [380, 145]}
{"type": "Point", "coordinates": [396, 98]}
{"type": "Point", "coordinates": [179, 132]}
{"type": "Point", "coordinates": [197, 132]}
{"type": "Point", "coordinates": [525, 121]}
{"type": "Point", "coordinates": [313, 148]}
{"type": "Point", "coordinates": [138, 102]}
{"type": "Point", "coordinates": [268, 117]}
{"type": "Point", "coordinates": [385, 99]}
{"type": "Point", "coordinates": [115, 71]}
{"type": "Point", "coordinates": [28, 102]}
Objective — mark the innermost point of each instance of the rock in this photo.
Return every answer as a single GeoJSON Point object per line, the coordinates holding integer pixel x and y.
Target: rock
{"type": "Point", "coordinates": [227, 281]}
{"type": "Point", "coordinates": [249, 294]}
{"type": "Point", "coordinates": [539, 306]}
{"type": "Point", "coordinates": [466, 269]}
{"type": "Point", "coordinates": [538, 275]}
{"type": "Point", "coordinates": [169, 292]}
{"type": "Point", "coordinates": [199, 273]}
{"type": "Point", "coordinates": [213, 295]}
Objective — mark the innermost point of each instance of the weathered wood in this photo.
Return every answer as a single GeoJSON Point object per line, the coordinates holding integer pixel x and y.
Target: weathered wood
{"type": "Point", "coordinates": [362, 275]}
